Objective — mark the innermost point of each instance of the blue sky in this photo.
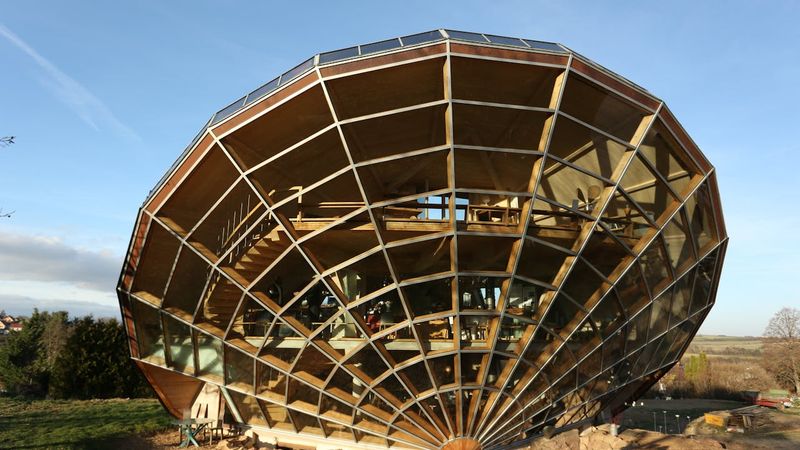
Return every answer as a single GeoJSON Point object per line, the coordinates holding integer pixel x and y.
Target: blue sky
{"type": "Point", "coordinates": [104, 96]}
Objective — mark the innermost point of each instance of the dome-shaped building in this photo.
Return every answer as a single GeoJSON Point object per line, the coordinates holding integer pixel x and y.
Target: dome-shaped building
{"type": "Point", "coordinates": [445, 239]}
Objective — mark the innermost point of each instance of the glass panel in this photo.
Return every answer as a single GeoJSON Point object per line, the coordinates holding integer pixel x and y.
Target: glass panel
{"type": "Point", "coordinates": [703, 283]}
{"type": "Point", "coordinates": [263, 90]}
{"type": "Point", "coordinates": [417, 375]}
{"type": "Point", "coordinates": [218, 305]}
{"type": "Point", "coordinates": [625, 219]}
{"type": "Point", "coordinates": [471, 364]}
{"type": "Point", "coordinates": [585, 148]}
{"type": "Point", "coordinates": [285, 280]}
{"type": "Point", "coordinates": [330, 407]}
{"type": "Point", "coordinates": [403, 177]}
{"type": "Point", "coordinates": [484, 253]}
{"type": "Point", "coordinates": [150, 337]}
{"type": "Point", "coordinates": [380, 46]}
{"type": "Point", "coordinates": [604, 253]}
{"type": "Point", "coordinates": [436, 334]}
{"type": "Point", "coordinates": [314, 209]}
{"type": "Point", "coordinates": [478, 292]}
{"type": "Point", "coordinates": [562, 312]}
{"type": "Point", "coordinates": [608, 315]}
{"type": "Point", "coordinates": [296, 70]}
{"type": "Point", "coordinates": [301, 167]}
{"type": "Point", "coordinates": [682, 298]}
{"type": "Point", "coordinates": [179, 344]}
{"type": "Point", "coordinates": [637, 331]}
{"type": "Point", "coordinates": [338, 54]}
{"type": "Point", "coordinates": [502, 82]}
{"type": "Point", "coordinates": [252, 322]}
{"type": "Point", "coordinates": [261, 246]}
{"type": "Point", "coordinates": [631, 290]}
{"type": "Point", "coordinates": [655, 267]}
{"type": "Point", "coordinates": [649, 192]}
{"type": "Point", "coordinates": [305, 423]}
{"type": "Point", "coordinates": [567, 186]}
{"type": "Point", "coordinates": [239, 370]}
{"type": "Point", "coordinates": [488, 126]}
{"type": "Point", "coordinates": [206, 183]}
{"type": "Point", "coordinates": [614, 348]}
{"type": "Point", "coordinates": [314, 308]}
{"type": "Point", "coordinates": [368, 362]}
{"type": "Point", "coordinates": [420, 38]}
{"type": "Point", "coordinates": [544, 46]}
{"type": "Point", "coordinates": [313, 366]}
{"type": "Point", "coordinates": [187, 283]}
{"type": "Point", "coordinates": [682, 335]}
{"type": "Point", "coordinates": [301, 395]}
{"type": "Point", "coordinates": [278, 416]}
{"type": "Point", "coordinates": [393, 391]}
{"type": "Point", "coordinates": [401, 345]}
{"type": "Point", "coordinates": [345, 386]}
{"type": "Point", "coordinates": [701, 222]}
{"type": "Point", "coordinates": [228, 222]}
{"type": "Point", "coordinates": [584, 339]}
{"type": "Point", "coordinates": [665, 154]}
{"type": "Point", "coordinates": [429, 297]}
{"type": "Point", "coordinates": [466, 36]}
{"type": "Point", "coordinates": [155, 264]}
{"type": "Point", "coordinates": [679, 245]}
{"type": "Point", "coordinates": [524, 298]}
{"type": "Point", "coordinates": [540, 262]}
{"type": "Point", "coordinates": [410, 130]}
{"type": "Point", "coordinates": [341, 243]}
{"type": "Point", "coordinates": [248, 408]}
{"type": "Point", "coordinates": [361, 278]}
{"type": "Point", "coordinates": [504, 40]}
{"type": "Point", "coordinates": [659, 319]}
{"type": "Point", "coordinates": [209, 357]}
{"type": "Point", "coordinates": [282, 345]}
{"type": "Point", "coordinates": [421, 258]}
{"type": "Point", "coordinates": [443, 370]}
{"type": "Point", "coordinates": [583, 283]}
{"type": "Point", "coordinates": [279, 129]}
{"type": "Point", "coordinates": [387, 89]}
{"type": "Point", "coordinates": [474, 330]}
{"type": "Point", "coordinates": [600, 108]}
{"type": "Point", "coordinates": [270, 382]}
{"type": "Point", "coordinates": [493, 170]}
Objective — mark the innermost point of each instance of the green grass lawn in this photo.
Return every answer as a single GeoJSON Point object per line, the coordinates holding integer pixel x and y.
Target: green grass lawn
{"type": "Point", "coordinates": [76, 424]}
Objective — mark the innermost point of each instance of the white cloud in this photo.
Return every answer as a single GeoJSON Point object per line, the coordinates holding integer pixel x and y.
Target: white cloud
{"type": "Point", "coordinates": [78, 98]}
{"type": "Point", "coordinates": [48, 259]}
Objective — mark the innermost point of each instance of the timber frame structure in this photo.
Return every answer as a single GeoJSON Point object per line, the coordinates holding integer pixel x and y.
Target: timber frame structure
{"type": "Point", "coordinates": [448, 239]}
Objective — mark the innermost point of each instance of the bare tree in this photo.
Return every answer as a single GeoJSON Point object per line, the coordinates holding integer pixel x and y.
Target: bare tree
{"type": "Point", "coordinates": [782, 347]}
{"type": "Point", "coordinates": [5, 141]}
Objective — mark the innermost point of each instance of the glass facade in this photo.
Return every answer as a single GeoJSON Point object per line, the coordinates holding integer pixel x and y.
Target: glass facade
{"type": "Point", "coordinates": [426, 244]}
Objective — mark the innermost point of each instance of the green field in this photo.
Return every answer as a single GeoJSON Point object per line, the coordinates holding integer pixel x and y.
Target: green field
{"type": "Point", "coordinates": [739, 346]}
{"type": "Point", "coordinates": [76, 424]}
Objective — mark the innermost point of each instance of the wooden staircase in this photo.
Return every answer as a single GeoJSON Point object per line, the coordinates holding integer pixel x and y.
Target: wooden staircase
{"type": "Point", "coordinates": [243, 266]}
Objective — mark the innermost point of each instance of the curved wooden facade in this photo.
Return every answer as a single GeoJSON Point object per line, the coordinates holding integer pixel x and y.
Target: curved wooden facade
{"type": "Point", "coordinates": [447, 239]}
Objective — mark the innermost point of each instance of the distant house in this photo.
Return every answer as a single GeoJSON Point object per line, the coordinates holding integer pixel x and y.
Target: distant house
{"type": "Point", "coordinates": [16, 326]}
{"type": "Point", "coordinates": [3, 327]}
{"type": "Point", "coordinates": [8, 319]}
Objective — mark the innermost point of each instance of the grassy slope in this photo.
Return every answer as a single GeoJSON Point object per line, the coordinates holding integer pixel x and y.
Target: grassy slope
{"type": "Point", "coordinates": [75, 424]}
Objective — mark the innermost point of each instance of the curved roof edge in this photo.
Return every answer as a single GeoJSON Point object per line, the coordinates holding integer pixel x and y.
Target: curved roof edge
{"type": "Point", "coordinates": [374, 49]}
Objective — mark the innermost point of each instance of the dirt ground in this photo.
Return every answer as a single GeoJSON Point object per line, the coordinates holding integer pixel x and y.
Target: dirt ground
{"type": "Point", "coordinates": [160, 441]}
{"type": "Point", "coordinates": [779, 431]}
